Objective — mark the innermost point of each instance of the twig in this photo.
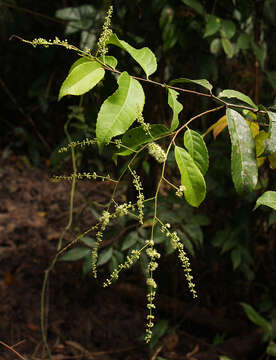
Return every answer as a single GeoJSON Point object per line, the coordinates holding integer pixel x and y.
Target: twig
{"type": "Point", "coordinates": [12, 350]}
{"type": "Point", "coordinates": [156, 353]}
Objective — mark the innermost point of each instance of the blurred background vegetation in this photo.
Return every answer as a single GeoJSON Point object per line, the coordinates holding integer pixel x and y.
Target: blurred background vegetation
{"type": "Point", "coordinates": [229, 42]}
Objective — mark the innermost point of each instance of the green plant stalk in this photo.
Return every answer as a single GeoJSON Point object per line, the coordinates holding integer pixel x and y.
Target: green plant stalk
{"type": "Point", "coordinates": [47, 272]}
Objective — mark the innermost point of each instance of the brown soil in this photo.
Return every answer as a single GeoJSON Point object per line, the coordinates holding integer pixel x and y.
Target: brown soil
{"type": "Point", "coordinates": [85, 321]}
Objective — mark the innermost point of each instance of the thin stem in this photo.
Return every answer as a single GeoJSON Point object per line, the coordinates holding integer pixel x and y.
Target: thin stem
{"type": "Point", "coordinates": [193, 118]}
{"type": "Point", "coordinates": [106, 67]}
{"type": "Point", "coordinates": [48, 271]}
{"type": "Point", "coordinates": [12, 350]}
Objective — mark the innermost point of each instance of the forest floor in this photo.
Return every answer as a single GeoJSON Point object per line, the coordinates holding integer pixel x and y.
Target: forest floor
{"type": "Point", "coordinates": [84, 320]}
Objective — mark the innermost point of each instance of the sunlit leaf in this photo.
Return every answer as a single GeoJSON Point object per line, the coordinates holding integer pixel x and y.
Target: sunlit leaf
{"type": "Point", "coordinates": [176, 107]}
{"type": "Point", "coordinates": [145, 57]}
{"type": "Point", "coordinates": [268, 199]}
{"type": "Point", "coordinates": [254, 127]}
{"type": "Point", "coordinates": [270, 143]}
{"type": "Point", "coordinates": [109, 60]}
{"type": "Point", "coordinates": [83, 76]}
{"type": "Point", "coordinates": [243, 159]}
{"type": "Point", "coordinates": [217, 127]}
{"type": "Point", "coordinates": [196, 147]}
{"type": "Point", "coordinates": [202, 82]}
{"type": "Point", "coordinates": [75, 254]}
{"type": "Point", "coordinates": [237, 95]}
{"type": "Point", "coordinates": [191, 177]}
{"type": "Point", "coordinates": [119, 110]}
{"type": "Point", "coordinates": [227, 47]}
{"type": "Point", "coordinates": [259, 141]}
{"type": "Point", "coordinates": [256, 318]}
{"type": "Point", "coordinates": [136, 137]}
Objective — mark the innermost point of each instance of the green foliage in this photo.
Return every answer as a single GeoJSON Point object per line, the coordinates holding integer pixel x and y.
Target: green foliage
{"type": "Point", "coordinates": [196, 147]}
{"type": "Point", "coordinates": [144, 57]}
{"type": "Point", "coordinates": [270, 143]}
{"type": "Point", "coordinates": [202, 82]}
{"type": "Point", "coordinates": [83, 76]}
{"type": "Point", "coordinates": [268, 199]}
{"type": "Point", "coordinates": [191, 178]}
{"type": "Point", "coordinates": [238, 95]}
{"type": "Point", "coordinates": [268, 328]}
{"type": "Point", "coordinates": [243, 158]}
{"type": "Point", "coordinates": [117, 133]}
{"type": "Point", "coordinates": [119, 111]}
{"type": "Point", "coordinates": [176, 107]}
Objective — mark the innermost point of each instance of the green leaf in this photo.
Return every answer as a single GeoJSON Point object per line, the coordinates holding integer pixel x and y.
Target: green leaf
{"type": "Point", "coordinates": [191, 177]}
{"type": "Point", "coordinates": [75, 254]}
{"type": "Point", "coordinates": [215, 46]}
{"type": "Point", "coordinates": [212, 25]}
{"type": "Point", "coordinates": [260, 52]}
{"type": "Point", "coordinates": [270, 143]}
{"type": "Point", "coordinates": [256, 318]}
{"type": "Point", "coordinates": [268, 199]}
{"type": "Point", "coordinates": [272, 218]}
{"type": "Point", "coordinates": [79, 18]}
{"type": "Point", "coordinates": [87, 264]}
{"type": "Point", "coordinates": [271, 76]}
{"type": "Point", "coordinates": [243, 158]}
{"type": "Point", "coordinates": [130, 240]}
{"type": "Point", "coordinates": [83, 76]}
{"type": "Point", "coordinates": [109, 60]}
{"type": "Point", "coordinates": [195, 233]}
{"type": "Point", "coordinates": [228, 29]}
{"type": "Point", "coordinates": [195, 5]}
{"type": "Point", "coordinates": [202, 82]}
{"type": "Point", "coordinates": [176, 107]}
{"type": "Point", "coordinates": [105, 256]}
{"type": "Point", "coordinates": [271, 349]}
{"type": "Point", "coordinates": [145, 57]}
{"type": "Point", "coordinates": [158, 331]}
{"type": "Point", "coordinates": [136, 137]}
{"type": "Point", "coordinates": [236, 258]}
{"type": "Point", "coordinates": [243, 41]}
{"type": "Point", "coordinates": [237, 95]}
{"type": "Point", "coordinates": [186, 242]}
{"type": "Point", "coordinates": [166, 17]}
{"type": "Point", "coordinates": [227, 47]}
{"type": "Point", "coordinates": [75, 13]}
{"type": "Point", "coordinates": [119, 110]}
{"type": "Point", "coordinates": [88, 241]}
{"type": "Point", "coordinates": [196, 147]}
{"type": "Point", "coordinates": [169, 36]}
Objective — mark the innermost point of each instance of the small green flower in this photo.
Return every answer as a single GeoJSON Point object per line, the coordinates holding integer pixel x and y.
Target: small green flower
{"type": "Point", "coordinates": [157, 152]}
